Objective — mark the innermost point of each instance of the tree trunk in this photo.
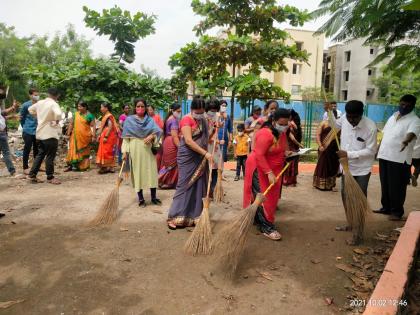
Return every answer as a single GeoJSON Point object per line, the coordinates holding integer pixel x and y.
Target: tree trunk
{"type": "Point", "coordinates": [232, 99]}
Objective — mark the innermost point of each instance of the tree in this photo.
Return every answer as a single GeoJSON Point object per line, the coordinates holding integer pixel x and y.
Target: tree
{"type": "Point", "coordinates": [317, 94]}
{"type": "Point", "coordinates": [252, 41]}
{"type": "Point", "coordinates": [391, 85]}
{"type": "Point", "coordinates": [382, 23]}
{"type": "Point", "coordinates": [123, 29]}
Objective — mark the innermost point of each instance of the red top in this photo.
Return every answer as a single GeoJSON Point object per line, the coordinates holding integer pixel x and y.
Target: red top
{"type": "Point", "coordinates": [158, 120]}
{"type": "Point", "coordinates": [188, 121]}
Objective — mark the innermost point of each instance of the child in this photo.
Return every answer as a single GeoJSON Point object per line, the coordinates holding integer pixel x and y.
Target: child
{"type": "Point", "coordinates": [241, 145]}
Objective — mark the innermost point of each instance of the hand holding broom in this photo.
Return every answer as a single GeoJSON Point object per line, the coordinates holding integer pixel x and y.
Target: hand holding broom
{"type": "Point", "coordinates": [232, 238]}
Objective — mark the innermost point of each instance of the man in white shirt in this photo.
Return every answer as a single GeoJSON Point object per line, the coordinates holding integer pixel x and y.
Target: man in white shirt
{"type": "Point", "coordinates": [416, 163]}
{"type": "Point", "coordinates": [395, 155]}
{"type": "Point", "coordinates": [48, 114]}
{"type": "Point", "coordinates": [358, 144]}
{"type": "Point", "coordinates": [331, 106]}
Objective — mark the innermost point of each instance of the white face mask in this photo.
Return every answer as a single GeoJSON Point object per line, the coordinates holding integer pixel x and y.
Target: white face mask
{"type": "Point", "coordinates": [212, 115]}
{"type": "Point", "coordinates": [176, 114]}
{"type": "Point", "coordinates": [198, 116]}
{"type": "Point", "coordinates": [35, 98]}
{"type": "Point", "coordinates": [223, 109]}
{"type": "Point", "coordinates": [240, 133]}
{"type": "Point", "coordinates": [280, 128]}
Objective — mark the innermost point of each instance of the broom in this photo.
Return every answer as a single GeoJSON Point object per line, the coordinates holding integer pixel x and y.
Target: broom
{"type": "Point", "coordinates": [200, 241]}
{"type": "Point", "coordinates": [355, 202]}
{"type": "Point", "coordinates": [107, 213]}
{"type": "Point", "coordinates": [232, 238]}
{"type": "Point", "coordinates": [218, 190]}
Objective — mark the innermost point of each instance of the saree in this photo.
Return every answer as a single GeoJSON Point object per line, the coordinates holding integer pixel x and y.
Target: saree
{"type": "Point", "coordinates": [187, 203]}
{"type": "Point", "coordinates": [79, 144]}
{"type": "Point", "coordinates": [290, 176]}
{"type": "Point", "coordinates": [328, 164]}
{"type": "Point", "coordinates": [268, 155]}
{"type": "Point", "coordinates": [107, 151]}
{"type": "Point", "coordinates": [168, 169]}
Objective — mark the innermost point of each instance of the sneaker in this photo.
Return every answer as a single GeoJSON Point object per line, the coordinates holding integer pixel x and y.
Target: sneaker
{"type": "Point", "coordinates": [236, 178]}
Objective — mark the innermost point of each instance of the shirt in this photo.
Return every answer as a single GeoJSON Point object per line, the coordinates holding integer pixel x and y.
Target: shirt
{"type": "Point", "coordinates": [27, 121]}
{"type": "Point", "coordinates": [241, 143]}
{"type": "Point", "coordinates": [416, 150]}
{"type": "Point", "coordinates": [226, 129]}
{"type": "Point", "coordinates": [360, 143]}
{"type": "Point", "coordinates": [2, 122]}
{"type": "Point", "coordinates": [325, 116]}
{"type": "Point", "coordinates": [47, 113]}
{"type": "Point", "coordinates": [395, 132]}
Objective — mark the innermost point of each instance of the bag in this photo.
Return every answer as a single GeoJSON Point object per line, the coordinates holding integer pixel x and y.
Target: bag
{"type": "Point", "coordinates": [155, 148]}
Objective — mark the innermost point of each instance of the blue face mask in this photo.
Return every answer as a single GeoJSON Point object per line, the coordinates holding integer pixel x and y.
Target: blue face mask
{"type": "Point", "coordinates": [404, 110]}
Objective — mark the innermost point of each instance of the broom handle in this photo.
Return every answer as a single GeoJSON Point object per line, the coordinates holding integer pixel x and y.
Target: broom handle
{"type": "Point", "coordinates": [331, 120]}
{"type": "Point", "coordinates": [211, 163]}
{"type": "Point", "coordinates": [119, 180]}
{"type": "Point", "coordinates": [277, 179]}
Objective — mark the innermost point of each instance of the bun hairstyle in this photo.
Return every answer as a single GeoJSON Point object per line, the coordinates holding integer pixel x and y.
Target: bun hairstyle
{"type": "Point", "coordinates": [279, 113]}
{"type": "Point", "coordinates": [198, 102]}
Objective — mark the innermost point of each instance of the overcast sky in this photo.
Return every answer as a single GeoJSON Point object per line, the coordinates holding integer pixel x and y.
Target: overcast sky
{"type": "Point", "coordinates": [175, 20]}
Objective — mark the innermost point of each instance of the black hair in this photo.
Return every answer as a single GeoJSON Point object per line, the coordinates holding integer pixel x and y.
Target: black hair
{"type": "Point", "coordinates": [137, 100]}
{"type": "Point", "coordinates": [32, 90]}
{"type": "Point", "coordinates": [335, 113]}
{"type": "Point", "coordinates": [294, 116]}
{"type": "Point", "coordinates": [150, 105]}
{"type": "Point", "coordinates": [107, 105]}
{"type": "Point", "coordinates": [223, 102]}
{"type": "Point", "coordinates": [172, 108]}
{"type": "Point", "coordinates": [126, 105]}
{"type": "Point", "coordinates": [83, 104]}
{"type": "Point", "coordinates": [213, 103]}
{"type": "Point", "coordinates": [240, 127]}
{"type": "Point", "coordinates": [354, 107]}
{"type": "Point", "coordinates": [53, 92]}
{"type": "Point", "coordinates": [198, 102]}
{"type": "Point", "coordinates": [268, 103]}
{"type": "Point", "coordinates": [333, 102]}
{"type": "Point", "coordinates": [409, 98]}
{"type": "Point", "coordinates": [279, 113]}
{"type": "Point", "coordinates": [255, 109]}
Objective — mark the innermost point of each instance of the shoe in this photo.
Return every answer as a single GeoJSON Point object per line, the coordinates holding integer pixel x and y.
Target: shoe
{"type": "Point", "coordinates": [142, 203]}
{"type": "Point", "coordinates": [382, 211]}
{"type": "Point", "coordinates": [236, 178]}
{"type": "Point", "coordinates": [414, 181]}
{"type": "Point", "coordinates": [394, 217]}
{"type": "Point", "coordinates": [157, 202]}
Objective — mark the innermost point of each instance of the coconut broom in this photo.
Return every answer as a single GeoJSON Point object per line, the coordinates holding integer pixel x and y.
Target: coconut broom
{"type": "Point", "coordinates": [107, 213]}
{"type": "Point", "coordinates": [200, 241]}
{"type": "Point", "coordinates": [232, 238]}
{"type": "Point", "coordinates": [355, 202]}
{"type": "Point", "coordinates": [218, 190]}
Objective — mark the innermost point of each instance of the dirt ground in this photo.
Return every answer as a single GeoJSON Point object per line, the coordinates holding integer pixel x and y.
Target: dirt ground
{"type": "Point", "coordinates": [58, 266]}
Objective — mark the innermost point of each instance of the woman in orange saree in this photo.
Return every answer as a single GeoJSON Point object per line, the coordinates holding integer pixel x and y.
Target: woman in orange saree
{"type": "Point", "coordinates": [82, 133]}
{"type": "Point", "coordinates": [108, 141]}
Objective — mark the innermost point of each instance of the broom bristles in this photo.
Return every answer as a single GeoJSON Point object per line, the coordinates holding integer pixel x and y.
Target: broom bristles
{"type": "Point", "coordinates": [218, 190]}
{"type": "Point", "coordinates": [200, 241]}
{"type": "Point", "coordinates": [231, 241]}
{"type": "Point", "coordinates": [355, 201]}
{"type": "Point", "coordinates": [107, 213]}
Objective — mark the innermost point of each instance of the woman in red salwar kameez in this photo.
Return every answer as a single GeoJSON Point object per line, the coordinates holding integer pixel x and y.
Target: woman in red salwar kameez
{"type": "Point", "coordinates": [263, 165]}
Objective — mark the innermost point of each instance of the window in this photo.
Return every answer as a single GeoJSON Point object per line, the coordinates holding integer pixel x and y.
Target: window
{"type": "Point", "coordinates": [347, 55]}
{"type": "Point", "coordinates": [295, 89]}
{"type": "Point", "coordinates": [372, 51]}
{"type": "Point", "coordinates": [344, 92]}
{"type": "Point", "coordinates": [370, 72]}
{"type": "Point", "coordinates": [346, 75]}
{"type": "Point", "coordinates": [296, 68]}
{"type": "Point", "coordinates": [368, 93]}
{"type": "Point", "coordinates": [299, 46]}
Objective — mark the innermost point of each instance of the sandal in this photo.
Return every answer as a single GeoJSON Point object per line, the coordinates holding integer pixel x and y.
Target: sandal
{"type": "Point", "coordinates": [274, 235]}
{"type": "Point", "coordinates": [68, 169]}
{"type": "Point", "coordinates": [35, 180]}
{"type": "Point", "coordinates": [102, 171]}
{"type": "Point", "coordinates": [54, 181]}
{"type": "Point", "coordinates": [171, 225]}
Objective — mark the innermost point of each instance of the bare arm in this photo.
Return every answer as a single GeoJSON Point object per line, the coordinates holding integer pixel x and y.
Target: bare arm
{"type": "Point", "coordinates": [175, 137]}
{"type": "Point", "coordinates": [70, 128]}
{"type": "Point", "coordinates": [187, 133]}
{"type": "Point", "coordinates": [93, 129]}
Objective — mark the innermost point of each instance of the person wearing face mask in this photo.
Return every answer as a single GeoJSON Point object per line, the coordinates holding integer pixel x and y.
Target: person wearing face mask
{"type": "Point", "coordinates": [187, 203]}
{"type": "Point", "coordinates": [241, 145]}
{"type": "Point", "coordinates": [154, 116]}
{"type": "Point", "coordinates": [212, 110]}
{"type": "Point", "coordinates": [29, 124]}
{"type": "Point", "coordinates": [108, 141]}
{"type": "Point", "coordinates": [168, 169]}
{"type": "Point", "coordinates": [121, 119]}
{"type": "Point", "coordinates": [328, 166]}
{"type": "Point", "coordinates": [358, 144]}
{"type": "Point", "coordinates": [225, 132]}
{"type": "Point", "coordinates": [265, 162]}
{"type": "Point", "coordinates": [251, 123]}
{"type": "Point", "coordinates": [395, 157]}
{"type": "Point", "coordinates": [139, 133]}
{"type": "Point", "coordinates": [294, 138]}
{"type": "Point", "coordinates": [4, 143]}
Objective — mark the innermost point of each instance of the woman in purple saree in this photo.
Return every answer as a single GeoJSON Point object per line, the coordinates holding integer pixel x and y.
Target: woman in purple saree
{"type": "Point", "coordinates": [187, 203]}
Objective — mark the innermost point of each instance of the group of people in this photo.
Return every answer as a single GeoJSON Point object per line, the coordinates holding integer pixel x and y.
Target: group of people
{"type": "Point", "coordinates": [184, 153]}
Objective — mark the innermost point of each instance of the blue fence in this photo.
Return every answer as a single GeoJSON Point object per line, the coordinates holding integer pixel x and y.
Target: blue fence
{"type": "Point", "coordinates": [312, 111]}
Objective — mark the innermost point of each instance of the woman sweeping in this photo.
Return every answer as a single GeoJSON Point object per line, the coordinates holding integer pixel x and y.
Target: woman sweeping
{"type": "Point", "coordinates": [168, 172]}
{"type": "Point", "coordinates": [139, 133]}
{"type": "Point", "coordinates": [263, 165]}
{"type": "Point", "coordinates": [108, 141]}
{"type": "Point", "coordinates": [328, 165]}
{"type": "Point", "coordinates": [294, 139]}
{"type": "Point", "coordinates": [82, 133]}
{"type": "Point", "coordinates": [187, 203]}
